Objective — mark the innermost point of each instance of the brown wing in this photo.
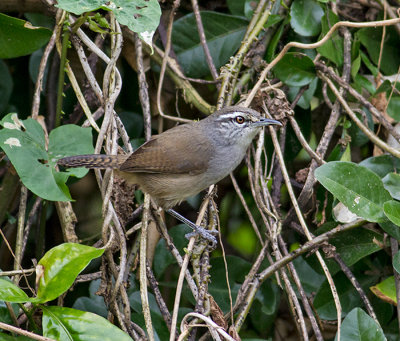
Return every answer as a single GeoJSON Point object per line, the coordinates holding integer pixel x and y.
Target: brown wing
{"type": "Point", "coordinates": [180, 150]}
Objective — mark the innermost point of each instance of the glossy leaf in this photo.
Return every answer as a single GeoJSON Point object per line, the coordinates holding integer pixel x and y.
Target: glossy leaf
{"type": "Point", "coordinates": [19, 38]}
{"type": "Point", "coordinates": [358, 325]}
{"type": "Point", "coordinates": [386, 290]}
{"type": "Point", "coordinates": [382, 164]}
{"type": "Point", "coordinates": [9, 292]}
{"type": "Point", "coordinates": [67, 324]}
{"type": "Point", "coordinates": [24, 143]}
{"type": "Point", "coordinates": [306, 17]}
{"type": "Point", "coordinates": [61, 265]}
{"type": "Point", "coordinates": [295, 69]}
{"type": "Point", "coordinates": [392, 211]}
{"type": "Point", "coordinates": [358, 188]}
{"type": "Point", "coordinates": [392, 184]}
{"type": "Point", "coordinates": [354, 245]}
{"type": "Point", "coordinates": [223, 33]}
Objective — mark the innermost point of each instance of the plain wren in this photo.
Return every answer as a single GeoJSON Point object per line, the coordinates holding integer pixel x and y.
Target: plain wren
{"type": "Point", "coordinates": [186, 159]}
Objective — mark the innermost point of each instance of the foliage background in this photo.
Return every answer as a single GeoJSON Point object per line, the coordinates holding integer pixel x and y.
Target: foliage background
{"type": "Point", "coordinates": [269, 253]}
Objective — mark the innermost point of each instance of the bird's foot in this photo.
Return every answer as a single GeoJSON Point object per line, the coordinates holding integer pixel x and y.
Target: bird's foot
{"type": "Point", "coordinates": [197, 230]}
{"type": "Point", "coordinates": [205, 234]}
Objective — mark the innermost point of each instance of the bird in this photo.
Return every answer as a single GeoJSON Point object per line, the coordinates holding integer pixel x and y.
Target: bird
{"type": "Point", "coordinates": [184, 160]}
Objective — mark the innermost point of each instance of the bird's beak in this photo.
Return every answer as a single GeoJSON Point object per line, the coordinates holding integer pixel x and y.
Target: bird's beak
{"type": "Point", "coordinates": [266, 122]}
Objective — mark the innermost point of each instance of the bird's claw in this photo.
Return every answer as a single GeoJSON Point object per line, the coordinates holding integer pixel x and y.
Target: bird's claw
{"type": "Point", "coordinates": [205, 234]}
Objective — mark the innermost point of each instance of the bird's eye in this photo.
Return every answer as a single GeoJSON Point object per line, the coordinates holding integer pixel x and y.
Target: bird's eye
{"type": "Point", "coordinates": [240, 119]}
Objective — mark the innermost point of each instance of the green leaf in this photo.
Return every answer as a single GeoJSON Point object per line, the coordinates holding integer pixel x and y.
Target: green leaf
{"type": "Point", "coordinates": [391, 229]}
{"type": "Point", "coordinates": [349, 299]}
{"type": "Point", "coordinates": [355, 66]}
{"type": "Point", "coordinates": [94, 303]}
{"type": "Point", "coordinates": [295, 69]}
{"type": "Point", "coordinates": [306, 17]}
{"type": "Point", "coordinates": [354, 245]}
{"type": "Point", "coordinates": [24, 143]}
{"type": "Point", "coordinates": [396, 262]}
{"type": "Point", "coordinates": [141, 16]}
{"type": "Point", "coordinates": [310, 279]}
{"type": "Point", "coordinates": [386, 86]}
{"type": "Point", "coordinates": [333, 48]}
{"type": "Point", "coordinates": [236, 7]}
{"type": "Point", "coordinates": [136, 303]}
{"type": "Point", "coordinates": [68, 140]}
{"type": "Point", "coordinates": [393, 108]}
{"type": "Point", "coordinates": [364, 83]}
{"type": "Point", "coordinates": [358, 138]}
{"type": "Point", "coordinates": [9, 292]}
{"type": "Point", "coordinates": [223, 33]}
{"type": "Point", "coordinates": [392, 211]}
{"type": "Point", "coordinates": [392, 184]}
{"type": "Point", "coordinates": [19, 38]}
{"type": "Point", "coordinates": [358, 188]}
{"type": "Point", "coordinates": [237, 269]}
{"type": "Point", "coordinates": [7, 337]}
{"type": "Point", "coordinates": [275, 41]}
{"type": "Point", "coordinates": [5, 315]}
{"type": "Point", "coordinates": [358, 325]}
{"type": "Point", "coordinates": [371, 67]}
{"type": "Point", "coordinates": [386, 290]}
{"type": "Point", "coordinates": [67, 324]}
{"type": "Point", "coordinates": [305, 99]}
{"type": "Point", "coordinates": [382, 164]}
{"type": "Point", "coordinates": [61, 265]}
{"type": "Point", "coordinates": [371, 38]}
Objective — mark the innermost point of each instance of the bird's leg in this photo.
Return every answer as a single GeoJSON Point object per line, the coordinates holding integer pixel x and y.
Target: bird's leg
{"type": "Point", "coordinates": [196, 229]}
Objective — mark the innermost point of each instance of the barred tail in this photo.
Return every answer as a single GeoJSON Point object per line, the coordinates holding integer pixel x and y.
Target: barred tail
{"type": "Point", "coordinates": [92, 161]}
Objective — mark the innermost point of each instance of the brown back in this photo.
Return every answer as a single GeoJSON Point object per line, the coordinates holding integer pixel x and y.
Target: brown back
{"type": "Point", "coordinates": [163, 153]}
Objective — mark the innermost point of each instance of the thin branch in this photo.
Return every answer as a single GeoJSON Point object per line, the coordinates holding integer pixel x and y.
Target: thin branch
{"type": "Point", "coordinates": [143, 88]}
{"type": "Point", "coordinates": [24, 332]}
{"type": "Point", "coordinates": [375, 139]}
{"type": "Point", "coordinates": [203, 41]}
{"type": "Point", "coordinates": [175, 6]}
{"type": "Point", "coordinates": [142, 269]}
{"type": "Point", "coordinates": [305, 229]}
{"type": "Point", "coordinates": [328, 35]}
{"type": "Point", "coordinates": [185, 264]}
